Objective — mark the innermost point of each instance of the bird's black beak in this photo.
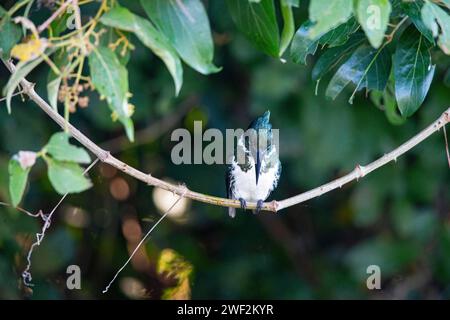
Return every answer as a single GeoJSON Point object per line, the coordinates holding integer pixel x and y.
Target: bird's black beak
{"type": "Point", "coordinates": [258, 165]}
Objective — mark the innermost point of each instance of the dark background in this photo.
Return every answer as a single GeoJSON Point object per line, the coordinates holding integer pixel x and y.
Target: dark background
{"type": "Point", "coordinates": [397, 217]}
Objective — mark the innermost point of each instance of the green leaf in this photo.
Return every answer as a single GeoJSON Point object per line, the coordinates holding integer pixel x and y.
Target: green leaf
{"type": "Point", "coordinates": [186, 26]}
{"type": "Point", "coordinates": [373, 15]}
{"type": "Point", "coordinates": [355, 70]}
{"type": "Point", "coordinates": [332, 57]}
{"type": "Point", "coordinates": [378, 74]}
{"type": "Point", "coordinates": [122, 18]}
{"type": "Point", "coordinates": [22, 70]}
{"type": "Point", "coordinates": [339, 35]}
{"type": "Point", "coordinates": [413, 10]}
{"type": "Point", "coordinates": [257, 21]}
{"type": "Point", "coordinates": [413, 71]}
{"type": "Point", "coordinates": [328, 15]}
{"type": "Point", "coordinates": [17, 180]}
{"type": "Point", "coordinates": [438, 21]}
{"type": "Point", "coordinates": [302, 45]}
{"type": "Point", "coordinates": [59, 25]}
{"type": "Point", "coordinates": [60, 149]}
{"type": "Point", "coordinates": [10, 34]}
{"type": "Point", "coordinates": [52, 90]}
{"type": "Point", "coordinates": [288, 27]}
{"type": "Point", "coordinates": [110, 78]}
{"type": "Point", "coordinates": [67, 177]}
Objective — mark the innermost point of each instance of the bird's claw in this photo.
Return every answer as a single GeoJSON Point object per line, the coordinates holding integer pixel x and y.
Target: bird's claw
{"type": "Point", "coordinates": [259, 205]}
{"type": "Point", "coordinates": [243, 203]}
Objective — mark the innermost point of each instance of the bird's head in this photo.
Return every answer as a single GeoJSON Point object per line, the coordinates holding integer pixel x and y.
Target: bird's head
{"type": "Point", "coordinates": [259, 140]}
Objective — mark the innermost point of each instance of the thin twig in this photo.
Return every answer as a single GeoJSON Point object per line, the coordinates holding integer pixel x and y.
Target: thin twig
{"type": "Point", "coordinates": [390, 36]}
{"type": "Point", "coordinates": [143, 241]}
{"type": "Point", "coordinates": [26, 274]}
{"type": "Point", "coordinates": [55, 15]}
{"type": "Point", "coordinates": [34, 215]}
{"type": "Point", "coordinates": [273, 206]}
{"type": "Point", "coordinates": [15, 94]}
{"type": "Point", "coordinates": [78, 26]}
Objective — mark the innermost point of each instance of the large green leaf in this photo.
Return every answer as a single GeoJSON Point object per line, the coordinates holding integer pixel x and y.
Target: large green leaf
{"type": "Point", "coordinates": [373, 16]}
{"type": "Point", "coordinates": [413, 71]}
{"type": "Point", "coordinates": [413, 10]}
{"type": "Point", "coordinates": [339, 35]}
{"type": "Point", "coordinates": [186, 26]}
{"type": "Point", "coordinates": [438, 21]}
{"type": "Point", "coordinates": [327, 15]}
{"type": "Point", "coordinates": [10, 34]}
{"type": "Point", "coordinates": [378, 74]}
{"type": "Point", "coordinates": [110, 78]}
{"type": "Point", "coordinates": [67, 177]}
{"type": "Point", "coordinates": [333, 56]}
{"type": "Point", "coordinates": [355, 70]}
{"type": "Point", "coordinates": [302, 45]}
{"type": "Point", "coordinates": [17, 180]}
{"type": "Point", "coordinates": [257, 21]}
{"type": "Point", "coordinates": [122, 18]}
{"type": "Point", "coordinates": [60, 149]}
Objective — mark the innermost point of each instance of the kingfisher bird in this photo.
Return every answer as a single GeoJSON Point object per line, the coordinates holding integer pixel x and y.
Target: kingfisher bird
{"type": "Point", "coordinates": [255, 167]}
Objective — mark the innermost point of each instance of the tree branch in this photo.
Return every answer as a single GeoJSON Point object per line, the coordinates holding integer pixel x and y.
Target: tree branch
{"type": "Point", "coordinates": [361, 171]}
{"type": "Point", "coordinates": [273, 206]}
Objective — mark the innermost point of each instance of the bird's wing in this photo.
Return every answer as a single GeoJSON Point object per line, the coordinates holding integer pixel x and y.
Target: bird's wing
{"type": "Point", "coordinates": [229, 186]}
{"type": "Point", "coordinates": [275, 181]}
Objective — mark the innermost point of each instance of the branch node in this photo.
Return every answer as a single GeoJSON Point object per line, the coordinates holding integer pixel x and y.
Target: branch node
{"type": "Point", "coordinates": [360, 171]}
{"type": "Point", "coordinates": [183, 189]}
{"type": "Point", "coordinates": [274, 205]}
{"type": "Point", "coordinates": [103, 156]}
{"type": "Point", "coordinates": [28, 87]}
{"type": "Point", "coordinates": [446, 116]}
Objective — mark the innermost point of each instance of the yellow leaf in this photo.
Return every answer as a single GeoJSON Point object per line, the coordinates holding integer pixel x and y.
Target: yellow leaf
{"type": "Point", "coordinates": [29, 50]}
{"type": "Point", "coordinates": [173, 265]}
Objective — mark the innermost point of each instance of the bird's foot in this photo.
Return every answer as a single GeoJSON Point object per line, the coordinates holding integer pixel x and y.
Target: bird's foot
{"type": "Point", "coordinates": [243, 203]}
{"type": "Point", "coordinates": [259, 205]}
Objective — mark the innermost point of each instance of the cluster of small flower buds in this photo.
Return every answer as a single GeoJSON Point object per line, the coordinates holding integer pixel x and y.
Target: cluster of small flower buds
{"type": "Point", "coordinates": [72, 95]}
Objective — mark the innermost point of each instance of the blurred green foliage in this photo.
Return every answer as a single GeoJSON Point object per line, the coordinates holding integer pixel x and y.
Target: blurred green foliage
{"type": "Point", "coordinates": [397, 217]}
